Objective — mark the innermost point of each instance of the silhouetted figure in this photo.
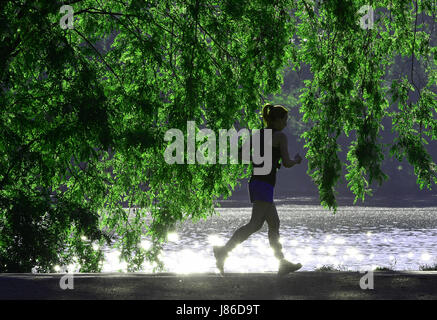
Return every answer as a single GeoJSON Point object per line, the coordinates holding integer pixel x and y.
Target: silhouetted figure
{"type": "Point", "coordinates": [261, 189]}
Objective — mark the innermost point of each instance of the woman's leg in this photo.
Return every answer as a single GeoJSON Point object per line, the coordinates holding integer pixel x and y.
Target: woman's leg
{"type": "Point", "coordinates": [259, 211]}
{"type": "Point", "coordinates": [256, 222]}
{"type": "Point", "coordinates": [272, 219]}
{"type": "Point", "coordinates": [285, 266]}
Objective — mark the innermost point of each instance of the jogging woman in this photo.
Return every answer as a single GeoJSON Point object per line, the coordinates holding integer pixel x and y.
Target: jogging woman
{"type": "Point", "coordinates": [261, 189]}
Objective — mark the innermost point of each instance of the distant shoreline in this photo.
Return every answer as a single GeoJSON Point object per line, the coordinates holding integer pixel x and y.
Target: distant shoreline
{"type": "Point", "coordinates": [393, 202]}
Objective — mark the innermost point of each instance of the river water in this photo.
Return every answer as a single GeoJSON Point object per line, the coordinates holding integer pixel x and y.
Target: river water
{"type": "Point", "coordinates": [355, 238]}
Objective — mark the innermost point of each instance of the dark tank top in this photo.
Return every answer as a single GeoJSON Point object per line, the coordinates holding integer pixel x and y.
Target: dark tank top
{"type": "Point", "coordinates": [276, 156]}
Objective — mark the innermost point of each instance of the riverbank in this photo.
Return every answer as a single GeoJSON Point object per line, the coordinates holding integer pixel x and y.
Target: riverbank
{"type": "Point", "coordinates": [400, 201]}
{"type": "Point", "coordinates": [303, 285]}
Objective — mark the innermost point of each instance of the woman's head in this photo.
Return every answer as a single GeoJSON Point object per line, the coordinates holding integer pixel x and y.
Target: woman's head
{"type": "Point", "coordinates": [274, 116]}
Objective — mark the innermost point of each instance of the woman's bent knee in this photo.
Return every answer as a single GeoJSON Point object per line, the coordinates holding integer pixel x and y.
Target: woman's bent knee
{"type": "Point", "coordinates": [254, 227]}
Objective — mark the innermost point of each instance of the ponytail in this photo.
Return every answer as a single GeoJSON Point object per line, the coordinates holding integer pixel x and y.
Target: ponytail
{"type": "Point", "coordinates": [265, 113]}
{"type": "Point", "coordinates": [271, 112]}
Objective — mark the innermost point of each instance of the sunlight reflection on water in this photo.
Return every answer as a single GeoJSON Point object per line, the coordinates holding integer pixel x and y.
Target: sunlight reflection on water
{"type": "Point", "coordinates": [355, 238]}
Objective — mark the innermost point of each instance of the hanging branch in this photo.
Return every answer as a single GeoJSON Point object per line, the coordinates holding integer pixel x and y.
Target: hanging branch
{"type": "Point", "coordinates": [99, 54]}
{"type": "Point", "coordinates": [412, 50]}
{"type": "Point", "coordinates": [315, 30]}
{"type": "Point", "coordinates": [412, 64]}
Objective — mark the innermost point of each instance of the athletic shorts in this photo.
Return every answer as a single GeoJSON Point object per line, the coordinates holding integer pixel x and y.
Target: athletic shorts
{"type": "Point", "coordinates": [260, 190]}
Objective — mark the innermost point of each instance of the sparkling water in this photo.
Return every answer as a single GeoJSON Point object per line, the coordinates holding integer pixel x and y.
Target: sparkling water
{"type": "Point", "coordinates": [355, 238]}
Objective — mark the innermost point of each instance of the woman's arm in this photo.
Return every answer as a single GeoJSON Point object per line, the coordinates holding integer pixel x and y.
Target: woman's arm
{"type": "Point", "coordinates": [283, 145]}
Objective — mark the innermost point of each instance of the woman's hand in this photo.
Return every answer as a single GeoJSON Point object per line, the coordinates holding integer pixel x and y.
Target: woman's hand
{"type": "Point", "coordinates": [297, 158]}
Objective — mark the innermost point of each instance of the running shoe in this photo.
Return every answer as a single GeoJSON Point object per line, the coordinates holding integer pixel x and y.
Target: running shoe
{"type": "Point", "coordinates": [220, 256]}
{"type": "Point", "coordinates": [286, 267]}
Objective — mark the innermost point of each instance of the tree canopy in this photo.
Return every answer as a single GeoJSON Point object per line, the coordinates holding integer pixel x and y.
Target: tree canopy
{"type": "Point", "coordinates": [84, 110]}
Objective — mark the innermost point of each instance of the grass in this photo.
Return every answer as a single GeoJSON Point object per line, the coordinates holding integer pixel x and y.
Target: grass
{"type": "Point", "coordinates": [325, 268]}
{"type": "Point", "coordinates": [383, 269]}
{"type": "Point", "coordinates": [428, 267]}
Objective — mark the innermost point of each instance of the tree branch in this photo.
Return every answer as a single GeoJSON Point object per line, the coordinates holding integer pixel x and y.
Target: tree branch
{"type": "Point", "coordinates": [412, 51]}
{"type": "Point", "coordinates": [99, 54]}
{"type": "Point", "coordinates": [315, 30]}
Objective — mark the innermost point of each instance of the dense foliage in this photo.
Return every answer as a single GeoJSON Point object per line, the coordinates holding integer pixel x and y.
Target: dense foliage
{"type": "Point", "coordinates": [84, 110]}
